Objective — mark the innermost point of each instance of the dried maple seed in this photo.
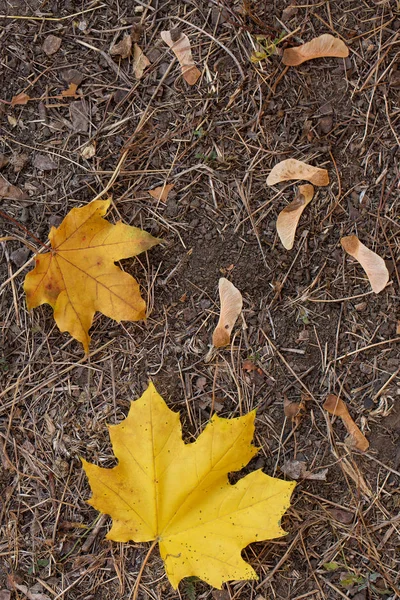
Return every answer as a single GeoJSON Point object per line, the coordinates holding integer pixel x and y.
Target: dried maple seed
{"type": "Point", "coordinates": [335, 406]}
{"type": "Point", "coordinates": [180, 46]}
{"type": "Point", "coordinates": [231, 307]}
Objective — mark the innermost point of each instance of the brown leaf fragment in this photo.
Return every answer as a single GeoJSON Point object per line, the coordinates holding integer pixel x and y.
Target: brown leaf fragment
{"type": "Point", "coordinates": [373, 264]}
{"type": "Point", "coordinates": [5, 595]}
{"type": "Point", "coordinates": [343, 516]}
{"type": "Point", "coordinates": [78, 113]}
{"type": "Point", "coordinates": [297, 469]}
{"type": "Point", "coordinates": [43, 162]}
{"type": "Point", "coordinates": [182, 50]}
{"type": "Point", "coordinates": [326, 124]}
{"type": "Point", "coordinates": [10, 191]}
{"type": "Point", "coordinates": [140, 61]}
{"type": "Point", "coordinates": [296, 169]}
{"type": "Point", "coordinates": [136, 32]}
{"type": "Point", "coordinates": [51, 44]}
{"type": "Point", "coordinates": [88, 151]}
{"type": "Point", "coordinates": [70, 92]}
{"type": "Point", "coordinates": [161, 192]}
{"type": "Point", "coordinates": [3, 161]}
{"type": "Point", "coordinates": [290, 409]}
{"type": "Point", "coordinates": [72, 76]}
{"type": "Point", "coordinates": [29, 594]}
{"type": "Point", "coordinates": [288, 218]}
{"type": "Point", "coordinates": [123, 48]}
{"type": "Point", "coordinates": [18, 161]}
{"type": "Point", "coordinates": [20, 99]}
{"type": "Point", "coordinates": [231, 307]}
{"type": "Point", "coordinates": [319, 47]}
{"type": "Point", "coordinates": [335, 406]}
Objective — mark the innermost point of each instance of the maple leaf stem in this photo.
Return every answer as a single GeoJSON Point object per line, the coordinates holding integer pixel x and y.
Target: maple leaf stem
{"type": "Point", "coordinates": [144, 563]}
{"type": "Point", "coordinates": [6, 216]}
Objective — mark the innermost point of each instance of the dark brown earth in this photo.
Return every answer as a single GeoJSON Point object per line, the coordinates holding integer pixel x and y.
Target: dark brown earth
{"type": "Point", "coordinates": [310, 323]}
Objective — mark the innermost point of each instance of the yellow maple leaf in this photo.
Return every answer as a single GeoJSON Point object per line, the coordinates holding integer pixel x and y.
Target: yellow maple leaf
{"type": "Point", "coordinates": [179, 494]}
{"type": "Point", "coordinates": [79, 276]}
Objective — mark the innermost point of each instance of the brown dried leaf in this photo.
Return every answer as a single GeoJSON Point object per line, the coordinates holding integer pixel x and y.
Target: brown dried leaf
{"type": "Point", "coordinates": [140, 61]}
{"type": "Point", "coordinates": [70, 92]}
{"type": "Point", "coordinates": [288, 218]}
{"type": "Point", "coordinates": [343, 516]}
{"type": "Point", "coordinates": [18, 161]}
{"type": "Point", "coordinates": [51, 44]}
{"type": "Point", "coordinates": [297, 469]}
{"type": "Point", "coordinates": [78, 112]}
{"type": "Point", "coordinates": [231, 307]}
{"type": "Point", "coordinates": [20, 99]}
{"type": "Point", "coordinates": [335, 406]}
{"type": "Point", "coordinates": [44, 162]}
{"type": "Point", "coordinates": [123, 48]}
{"type": "Point", "coordinates": [10, 191]}
{"type": "Point", "coordinates": [161, 192]}
{"type": "Point", "coordinates": [296, 169]}
{"type": "Point", "coordinates": [182, 50]}
{"type": "Point", "coordinates": [372, 263]}
{"type": "Point", "coordinates": [324, 45]}
{"type": "Point", "coordinates": [3, 161]}
{"type": "Point", "coordinates": [290, 409]}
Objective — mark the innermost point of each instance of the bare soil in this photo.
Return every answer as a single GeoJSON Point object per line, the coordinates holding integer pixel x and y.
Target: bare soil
{"type": "Point", "coordinates": [311, 324]}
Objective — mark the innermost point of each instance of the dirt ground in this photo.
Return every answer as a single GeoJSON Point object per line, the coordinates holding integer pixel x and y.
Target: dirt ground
{"type": "Point", "coordinates": [311, 325]}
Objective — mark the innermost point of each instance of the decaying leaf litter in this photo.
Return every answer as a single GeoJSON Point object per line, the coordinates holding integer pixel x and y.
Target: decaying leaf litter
{"type": "Point", "coordinates": [288, 306]}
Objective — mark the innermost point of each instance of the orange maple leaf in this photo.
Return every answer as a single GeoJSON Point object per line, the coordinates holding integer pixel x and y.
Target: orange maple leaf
{"type": "Point", "coordinates": [78, 276]}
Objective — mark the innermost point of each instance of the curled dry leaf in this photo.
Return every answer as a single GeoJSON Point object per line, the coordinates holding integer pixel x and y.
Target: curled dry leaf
{"type": "Point", "coordinates": [289, 217]}
{"type": "Point", "coordinates": [231, 307]}
{"type": "Point", "coordinates": [297, 169]}
{"type": "Point", "coordinates": [181, 48]}
{"type": "Point", "coordinates": [324, 45]}
{"type": "Point", "coordinates": [140, 61]}
{"type": "Point", "coordinates": [89, 151]}
{"type": "Point", "coordinates": [123, 48]}
{"type": "Point", "coordinates": [161, 192]}
{"type": "Point", "coordinates": [335, 406]}
{"type": "Point", "coordinates": [7, 190]}
{"type": "Point", "coordinates": [372, 263]}
{"type": "Point", "coordinates": [297, 469]}
{"type": "Point", "coordinates": [19, 99]}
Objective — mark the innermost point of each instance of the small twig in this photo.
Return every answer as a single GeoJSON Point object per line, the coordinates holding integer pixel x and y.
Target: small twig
{"type": "Point", "coordinates": [365, 348]}
{"type": "Point", "coordinates": [6, 216]}
{"type": "Point", "coordinates": [144, 563]}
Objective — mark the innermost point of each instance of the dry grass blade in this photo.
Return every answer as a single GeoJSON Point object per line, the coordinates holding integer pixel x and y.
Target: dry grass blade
{"type": "Point", "coordinates": [292, 168]}
{"type": "Point", "coordinates": [319, 47]}
{"type": "Point", "coordinates": [288, 218]}
{"type": "Point", "coordinates": [372, 263]}
{"type": "Point", "coordinates": [182, 50]}
{"type": "Point", "coordinates": [231, 307]}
